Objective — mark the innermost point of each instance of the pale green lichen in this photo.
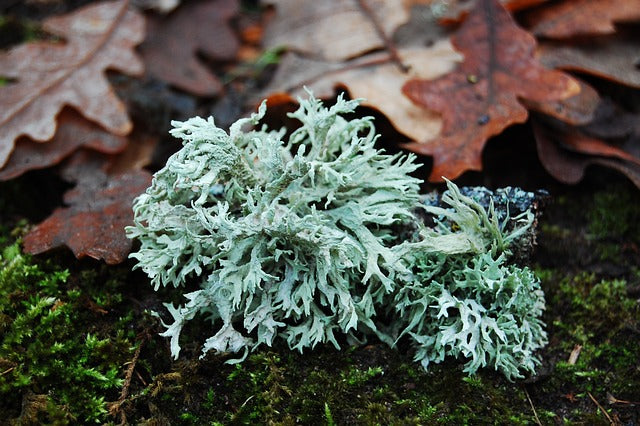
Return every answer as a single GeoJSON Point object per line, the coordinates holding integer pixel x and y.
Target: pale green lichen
{"type": "Point", "coordinates": [300, 240]}
{"type": "Point", "coordinates": [470, 303]}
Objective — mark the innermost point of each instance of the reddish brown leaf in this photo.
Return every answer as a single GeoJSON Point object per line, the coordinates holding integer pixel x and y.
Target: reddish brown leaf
{"type": "Point", "coordinates": [614, 57]}
{"type": "Point", "coordinates": [480, 99]}
{"type": "Point", "coordinates": [611, 121]}
{"type": "Point", "coordinates": [73, 132]}
{"type": "Point", "coordinates": [565, 166]}
{"type": "Point", "coordinates": [45, 76]}
{"type": "Point", "coordinates": [581, 17]}
{"type": "Point", "coordinates": [173, 42]}
{"type": "Point", "coordinates": [98, 209]}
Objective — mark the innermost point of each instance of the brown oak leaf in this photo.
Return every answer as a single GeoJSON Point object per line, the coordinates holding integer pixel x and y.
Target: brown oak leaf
{"type": "Point", "coordinates": [480, 99]}
{"type": "Point", "coordinates": [173, 42]}
{"type": "Point", "coordinates": [97, 210]}
{"type": "Point", "coordinates": [73, 132]}
{"type": "Point", "coordinates": [44, 76]}
{"type": "Point", "coordinates": [581, 17]}
{"type": "Point", "coordinates": [611, 139]}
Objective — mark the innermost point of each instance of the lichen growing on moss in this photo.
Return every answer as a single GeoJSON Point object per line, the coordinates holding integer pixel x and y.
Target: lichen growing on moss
{"type": "Point", "coordinates": [298, 240]}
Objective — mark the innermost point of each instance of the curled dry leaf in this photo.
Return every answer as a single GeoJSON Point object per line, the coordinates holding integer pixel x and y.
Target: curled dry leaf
{"type": "Point", "coordinates": [481, 98]}
{"type": "Point", "coordinates": [73, 133]}
{"type": "Point", "coordinates": [173, 42]}
{"type": "Point", "coordinates": [570, 167]}
{"type": "Point", "coordinates": [581, 17]}
{"type": "Point", "coordinates": [613, 57]}
{"type": "Point", "coordinates": [566, 152]}
{"type": "Point", "coordinates": [45, 76]}
{"type": "Point", "coordinates": [96, 213]}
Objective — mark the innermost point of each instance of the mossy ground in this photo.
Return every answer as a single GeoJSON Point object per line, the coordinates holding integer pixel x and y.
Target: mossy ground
{"type": "Point", "coordinates": [77, 345]}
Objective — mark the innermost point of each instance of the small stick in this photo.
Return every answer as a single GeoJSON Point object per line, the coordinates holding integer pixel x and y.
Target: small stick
{"type": "Point", "coordinates": [7, 371]}
{"type": "Point", "coordinates": [601, 408]}
{"type": "Point", "coordinates": [575, 353]}
{"type": "Point", "coordinates": [535, 414]}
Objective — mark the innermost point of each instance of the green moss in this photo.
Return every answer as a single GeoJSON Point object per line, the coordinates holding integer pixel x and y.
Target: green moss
{"type": "Point", "coordinates": [54, 363]}
{"type": "Point", "coordinates": [597, 321]}
{"type": "Point", "coordinates": [614, 222]}
{"type": "Point", "coordinates": [364, 385]}
{"type": "Point", "coordinates": [615, 213]}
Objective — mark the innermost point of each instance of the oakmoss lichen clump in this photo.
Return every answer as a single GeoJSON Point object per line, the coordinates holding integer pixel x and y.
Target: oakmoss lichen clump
{"type": "Point", "coordinates": [299, 240]}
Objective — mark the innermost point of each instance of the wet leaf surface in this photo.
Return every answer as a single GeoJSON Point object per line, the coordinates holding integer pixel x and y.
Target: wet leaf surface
{"type": "Point", "coordinates": [97, 210]}
{"type": "Point", "coordinates": [481, 98]}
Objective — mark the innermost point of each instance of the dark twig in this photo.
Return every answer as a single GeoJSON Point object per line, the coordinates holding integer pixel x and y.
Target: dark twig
{"type": "Point", "coordinates": [388, 43]}
{"type": "Point", "coordinates": [115, 407]}
{"type": "Point", "coordinates": [347, 67]}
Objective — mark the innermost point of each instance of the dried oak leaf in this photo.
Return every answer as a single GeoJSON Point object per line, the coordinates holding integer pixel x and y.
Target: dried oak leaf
{"type": "Point", "coordinates": [581, 17]}
{"type": "Point", "coordinates": [613, 57]}
{"type": "Point", "coordinates": [73, 133]}
{"type": "Point", "coordinates": [173, 42]}
{"type": "Point", "coordinates": [96, 213]}
{"type": "Point", "coordinates": [45, 76]}
{"type": "Point", "coordinates": [480, 98]}
{"type": "Point", "coordinates": [335, 30]}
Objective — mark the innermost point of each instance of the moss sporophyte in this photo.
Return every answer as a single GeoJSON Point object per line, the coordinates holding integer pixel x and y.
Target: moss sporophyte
{"type": "Point", "coordinates": [298, 239]}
